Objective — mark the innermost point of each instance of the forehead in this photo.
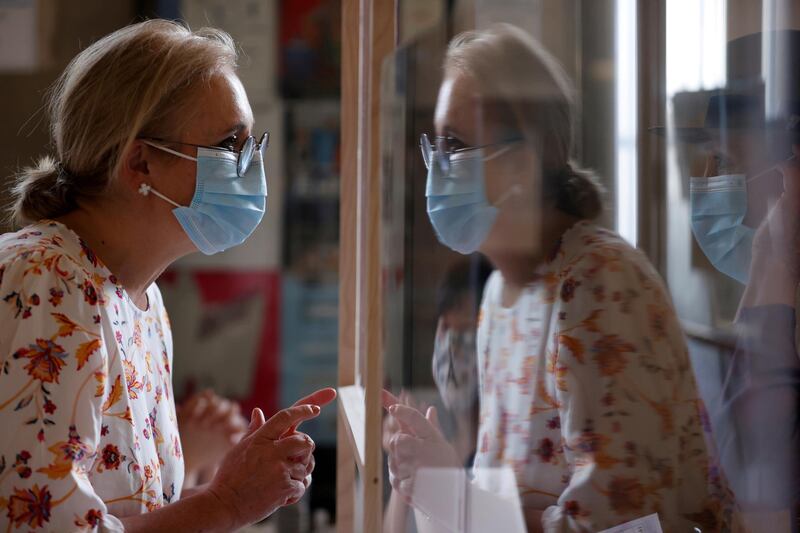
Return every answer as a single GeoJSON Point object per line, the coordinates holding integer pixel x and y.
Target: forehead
{"type": "Point", "coordinates": [738, 143]}
{"type": "Point", "coordinates": [458, 106]}
{"type": "Point", "coordinates": [221, 106]}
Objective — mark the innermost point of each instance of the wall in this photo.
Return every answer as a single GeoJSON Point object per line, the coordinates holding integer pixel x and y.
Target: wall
{"type": "Point", "coordinates": [65, 30]}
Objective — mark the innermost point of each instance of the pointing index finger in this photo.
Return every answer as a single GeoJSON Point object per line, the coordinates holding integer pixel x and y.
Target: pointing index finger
{"type": "Point", "coordinates": [388, 399]}
{"type": "Point", "coordinates": [414, 420]}
{"type": "Point", "coordinates": [286, 419]}
{"type": "Point", "coordinates": [321, 397]}
{"type": "Point", "coordinates": [318, 398]}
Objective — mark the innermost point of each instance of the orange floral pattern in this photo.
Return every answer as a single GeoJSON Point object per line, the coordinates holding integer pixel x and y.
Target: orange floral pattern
{"type": "Point", "coordinates": [81, 391]}
{"type": "Point", "coordinates": [612, 429]}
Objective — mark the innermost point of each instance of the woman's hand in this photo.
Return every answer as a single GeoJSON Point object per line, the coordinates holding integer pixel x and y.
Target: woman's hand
{"type": "Point", "coordinates": [267, 469]}
{"type": "Point", "coordinates": [209, 426]}
{"type": "Point", "coordinates": [418, 444]}
{"type": "Point", "coordinates": [321, 398]}
{"type": "Point", "coordinates": [271, 466]}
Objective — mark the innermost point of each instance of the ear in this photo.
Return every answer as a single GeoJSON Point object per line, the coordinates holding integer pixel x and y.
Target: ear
{"type": "Point", "coordinates": [135, 167]}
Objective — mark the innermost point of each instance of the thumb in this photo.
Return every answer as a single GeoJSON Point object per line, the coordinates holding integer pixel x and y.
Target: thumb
{"type": "Point", "coordinates": [256, 421]}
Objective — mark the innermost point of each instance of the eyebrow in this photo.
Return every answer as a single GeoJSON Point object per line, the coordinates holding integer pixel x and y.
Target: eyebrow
{"type": "Point", "coordinates": [234, 130]}
{"type": "Point", "coordinates": [450, 132]}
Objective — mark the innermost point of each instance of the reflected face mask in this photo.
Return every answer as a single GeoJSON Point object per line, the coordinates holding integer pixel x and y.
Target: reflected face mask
{"type": "Point", "coordinates": [718, 206]}
{"type": "Point", "coordinates": [225, 208]}
{"type": "Point", "coordinates": [457, 206]}
{"type": "Point", "coordinates": [455, 368]}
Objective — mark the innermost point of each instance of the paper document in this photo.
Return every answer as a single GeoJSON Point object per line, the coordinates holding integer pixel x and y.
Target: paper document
{"type": "Point", "coordinates": [647, 524]}
{"type": "Point", "coordinates": [446, 502]}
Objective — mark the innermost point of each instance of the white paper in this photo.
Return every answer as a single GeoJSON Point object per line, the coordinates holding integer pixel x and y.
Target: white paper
{"type": "Point", "coordinates": [444, 501]}
{"type": "Point", "coordinates": [646, 524]}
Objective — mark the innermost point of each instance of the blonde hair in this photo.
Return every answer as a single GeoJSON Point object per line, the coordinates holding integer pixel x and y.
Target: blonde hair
{"type": "Point", "coordinates": [134, 82]}
{"type": "Point", "coordinates": [531, 92]}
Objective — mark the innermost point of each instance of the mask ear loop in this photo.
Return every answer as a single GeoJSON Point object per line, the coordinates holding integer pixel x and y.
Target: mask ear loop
{"type": "Point", "coordinates": [770, 169]}
{"type": "Point", "coordinates": [498, 153]}
{"type": "Point", "coordinates": [513, 191]}
{"type": "Point", "coordinates": [168, 150]}
{"type": "Point", "coordinates": [145, 190]}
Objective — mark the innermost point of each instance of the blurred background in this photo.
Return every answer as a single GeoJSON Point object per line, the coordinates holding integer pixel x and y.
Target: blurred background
{"type": "Point", "coordinates": [258, 324]}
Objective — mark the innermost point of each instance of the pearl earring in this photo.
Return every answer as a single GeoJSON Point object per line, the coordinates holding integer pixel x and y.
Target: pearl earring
{"type": "Point", "coordinates": [144, 189]}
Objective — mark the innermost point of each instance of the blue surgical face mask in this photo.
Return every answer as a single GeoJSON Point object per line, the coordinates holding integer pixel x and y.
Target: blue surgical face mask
{"type": "Point", "coordinates": [718, 207]}
{"type": "Point", "coordinates": [455, 367]}
{"type": "Point", "coordinates": [458, 208]}
{"type": "Point", "coordinates": [225, 208]}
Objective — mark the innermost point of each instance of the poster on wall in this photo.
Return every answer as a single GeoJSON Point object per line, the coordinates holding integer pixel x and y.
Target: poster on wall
{"type": "Point", "coordinates": [253, 25]}
{"type": "Point", "coordinates": [226, 334]}
{"type": "Point", "coordinates": [310, 48]}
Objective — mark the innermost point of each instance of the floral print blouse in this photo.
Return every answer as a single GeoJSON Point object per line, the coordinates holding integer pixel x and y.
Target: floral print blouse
{"type": "Point", "coordinates": [587, 393]}
{"type": "Point", "coordinates": [89, 432]}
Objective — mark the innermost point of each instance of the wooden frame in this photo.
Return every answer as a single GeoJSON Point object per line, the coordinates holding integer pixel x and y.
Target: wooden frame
{"type": "Point", "coordinates": [651, 149]}
{"type": "Point", "coordinates": [368, 37]}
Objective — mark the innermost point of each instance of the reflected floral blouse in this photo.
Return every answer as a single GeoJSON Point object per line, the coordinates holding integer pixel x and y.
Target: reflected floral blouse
{"type": "Point", "coordinates": [587, 393]}
{"type": "Point", "coordinates": [89, 432]}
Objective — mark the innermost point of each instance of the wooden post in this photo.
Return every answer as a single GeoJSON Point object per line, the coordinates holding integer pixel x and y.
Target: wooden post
{"type": "Point", "coordinates": [651, 162]}
{"type": "Point", "coordinates": [368, 38]}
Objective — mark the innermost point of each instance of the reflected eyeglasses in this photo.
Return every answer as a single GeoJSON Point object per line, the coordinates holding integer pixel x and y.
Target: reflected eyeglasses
{"type": "Point", "coordinates": [450, 146]}
{"type": "Point", "coordinates": [244, 156]}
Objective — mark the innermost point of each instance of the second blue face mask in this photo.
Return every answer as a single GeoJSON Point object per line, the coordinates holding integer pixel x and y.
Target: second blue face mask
{"type": "Point", "coordinates": [458, 208]}
{"type": "Point", "coordinates": [718, 208]}
{"type": "Point", "coordinates": [225, 208]}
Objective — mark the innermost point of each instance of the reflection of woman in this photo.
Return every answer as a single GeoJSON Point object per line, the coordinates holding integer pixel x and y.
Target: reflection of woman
{"type": "Point", "coordinates": [149, 118]}
{"type": "Point", "coordinates": [761, 392]}
{"type": "Point", "coordinates": [454, 366]}
{"type": "Point", "coordinates": [586, 389]}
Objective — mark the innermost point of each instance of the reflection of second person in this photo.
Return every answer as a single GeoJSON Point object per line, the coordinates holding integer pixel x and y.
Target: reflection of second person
{"type": "Point", "coordinates": [586, 390]}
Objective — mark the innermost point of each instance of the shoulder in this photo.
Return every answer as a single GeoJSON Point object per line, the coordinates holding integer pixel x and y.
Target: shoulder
{"type": "Point", "coordinates": [597, 259]}
{"type": "Point", "coordinates": [604, 287]}
{"type": "Point", "coordinates": [491, 291]}
{"type": "Point", "coordinates": [44, 271]}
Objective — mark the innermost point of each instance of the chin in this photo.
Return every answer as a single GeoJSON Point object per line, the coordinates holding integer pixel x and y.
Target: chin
{"type": "Point", "coordinates": [511, 243]}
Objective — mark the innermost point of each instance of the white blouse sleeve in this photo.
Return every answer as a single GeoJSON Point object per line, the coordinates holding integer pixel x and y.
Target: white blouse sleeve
{"type": "Point", "coordinates": [53, 392]}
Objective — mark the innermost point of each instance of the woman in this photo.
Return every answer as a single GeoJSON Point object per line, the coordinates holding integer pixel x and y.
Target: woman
{"type": "Point", "coordinates": [586, 390]}
{"type": "Point", "coordinates": [154, 159]}
{"type": "Point", "coordinates": [454, 367]}
{"type": "Point", "coordinates": [760, 405]}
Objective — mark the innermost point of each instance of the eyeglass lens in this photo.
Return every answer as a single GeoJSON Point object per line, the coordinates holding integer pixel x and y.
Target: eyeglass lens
{"type": "Point", "coordinates": [249, 148]}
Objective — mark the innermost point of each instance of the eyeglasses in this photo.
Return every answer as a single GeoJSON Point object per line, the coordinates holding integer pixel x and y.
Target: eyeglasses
{"type": "Point", "coordinates": [450, 146]}
{"type": "Point", "coordinates": [245, 155]}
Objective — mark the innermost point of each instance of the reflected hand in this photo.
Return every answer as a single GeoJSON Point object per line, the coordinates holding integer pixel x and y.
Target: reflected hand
{"type": "Point", "coordinates": [777, 240]}
{"type": "Point", "coordinates": [391, 426]}
{"type": "Point", "coordinates": [419, 444]}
